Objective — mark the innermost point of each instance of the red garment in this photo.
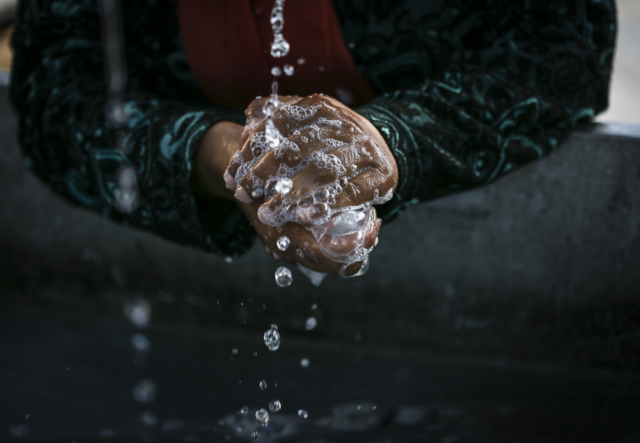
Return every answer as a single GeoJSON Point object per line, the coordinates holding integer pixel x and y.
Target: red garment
{"type": "Point", "coordinates": [227, 43]}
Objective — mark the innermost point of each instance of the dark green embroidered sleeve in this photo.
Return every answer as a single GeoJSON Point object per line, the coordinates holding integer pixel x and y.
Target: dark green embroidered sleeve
{"type": "Point", "coordinates": [58, 88]}
{"type": "Point", "coordinates": [469, 89]}
{"type": "Point", "coordinates": [473, 89]}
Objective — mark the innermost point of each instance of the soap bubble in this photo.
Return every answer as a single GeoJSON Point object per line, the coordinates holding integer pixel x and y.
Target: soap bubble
{"type": "Point", "coordinates": [304, 363]}
{"type": "Point", "coordinates": [275, 405]}
{"type": "Point", "coordinates": [289, 70]}
{"type": "Point", "coordinates": [145, 391]}
{"type": "Point", "coordinates": [272, 338]}
{"type": "Point", "coordinates": [263, 385]}
{"type": "Point", "coordinates": [262, 416]}
{"type": "Point", "coordinates": [138, 312]}
{"type": "Point", "coordinates": [283, 277]}
{"type": "Point", "coordinates": [302, 413]}
{"type": "Point", "coordinates": [284, 186]}
{"type": "Point", "coordinates": [310, 323]}
{"type": "Point", "coordinates": [283, 243]}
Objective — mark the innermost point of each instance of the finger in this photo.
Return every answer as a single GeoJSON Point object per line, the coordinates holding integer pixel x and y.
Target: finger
{"type": "Point", "coordinates": [367, 185]}
{"type": "Point", "coordinates": [256, 115]}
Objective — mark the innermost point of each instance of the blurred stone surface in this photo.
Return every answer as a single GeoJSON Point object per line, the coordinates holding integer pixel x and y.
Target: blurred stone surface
{"type": "Point", "coordinates": [541, 266]}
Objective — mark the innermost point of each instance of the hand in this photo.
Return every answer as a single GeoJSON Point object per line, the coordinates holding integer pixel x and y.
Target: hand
{"type": "Point", "coordinates": [336, 160]}
{"type": "Point", "coordinates": [214, 154]}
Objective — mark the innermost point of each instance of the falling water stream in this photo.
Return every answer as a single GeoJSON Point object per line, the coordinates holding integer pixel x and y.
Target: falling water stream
{"type": "Point", "coordinates": [345, 221]}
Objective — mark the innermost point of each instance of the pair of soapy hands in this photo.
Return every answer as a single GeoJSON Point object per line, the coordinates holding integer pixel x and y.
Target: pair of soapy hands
{"type": "Point", "coordinates": [368, 173]}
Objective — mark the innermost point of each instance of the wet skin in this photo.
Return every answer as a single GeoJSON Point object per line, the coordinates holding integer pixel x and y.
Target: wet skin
{"type": "Point", "coordinates": [369, 171]}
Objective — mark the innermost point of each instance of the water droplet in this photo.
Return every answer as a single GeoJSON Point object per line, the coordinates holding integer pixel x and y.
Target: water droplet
{"type": "Point", "coordinates": [228, 259]}
{"type": "Point", "coordinates": [244, 410]}
{"type": "Point", "coordinates": [345, 96]}
{"type": "Point", "coordinates": [351, 45]}
{"type": "Point", "coordinates": [263, 385]}
{"type": "Point", "coordinates": [321, 68]}
{"type": "Point", "coordinates": [310, 323]}
{"type": "Point", "coordinates": [283, 243]}
{"type": "Point", "coordinates": [284, 186]}
{"type": "Point", "coordinates": [27, 415]}
{"type": "Point", "coordinates": [127, 195]}
{"type": "Point", "coordinates": [145, 391]}
{"type": "Point", "coordinates": [289, 70]}
{"type": "Point", "coordinates": [234, 351]}
{"type": "Point", "coordinates": [275, 405]}
{"type": "Point", "coordinates": [304, 362]}
{"type": "Point", "coordinates": [140, 342]}
{"type": "Point", "coordinates": [262, 416]}
{"type": "Point", "coordinates": [257, 193]}
{"type": "Point", "coordinates": [255, 436]}
{"type": "Point", "coordinates": [138, 312]}
{"type": "Point", "coordinates": [272, 338]}
{"type": "Point", "coordinates": [283, 277]}
{"type": "Point", "coordinates": [280, 47]}
{"type": "Point", "coordinates": [358, 337]}
{"type": "Point", "coordinates": [276, 71]}
{"type": "Point", "coordinates": [302, 413]}
{"type": "Point", "coordinates": [314, 307]}
{"type": "Point", "coordinates": [148, 419]}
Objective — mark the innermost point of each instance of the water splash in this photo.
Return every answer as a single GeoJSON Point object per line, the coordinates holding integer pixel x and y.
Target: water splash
{"type": "Point", "coordinates": [262, 416]}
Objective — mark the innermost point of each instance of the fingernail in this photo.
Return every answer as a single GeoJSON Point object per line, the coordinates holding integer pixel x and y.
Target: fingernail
{"type": "Point", "coordinates": [229, 181]}
{"type": "Point", "coordinates": [242, 195]}
{"type": "Point", "coordinates": [264, 213]}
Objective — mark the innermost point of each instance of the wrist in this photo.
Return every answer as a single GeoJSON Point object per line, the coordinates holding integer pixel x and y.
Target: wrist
{"type": "Point", "coordinates": [216, 150]}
